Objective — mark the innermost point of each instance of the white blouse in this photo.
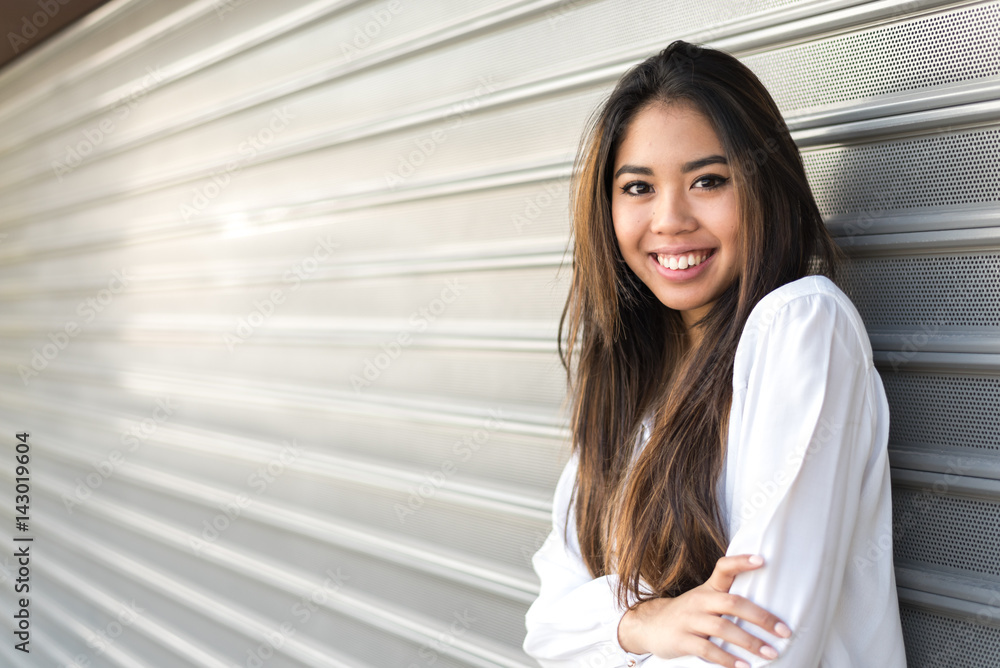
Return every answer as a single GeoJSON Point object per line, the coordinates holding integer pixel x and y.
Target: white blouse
{"type": "Point", "coordinates": [805, 485]}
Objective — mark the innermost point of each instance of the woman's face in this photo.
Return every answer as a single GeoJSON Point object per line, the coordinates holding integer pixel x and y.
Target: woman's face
{"type": "Point", "coordinates": [674, 208]}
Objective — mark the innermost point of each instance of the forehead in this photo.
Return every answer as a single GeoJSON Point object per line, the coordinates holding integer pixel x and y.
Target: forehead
{"type": "Point", "coordinates": [665, 133]}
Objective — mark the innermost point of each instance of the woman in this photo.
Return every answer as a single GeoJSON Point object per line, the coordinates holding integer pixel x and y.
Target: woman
{"type": "Point", "coordinates": [752, 518]}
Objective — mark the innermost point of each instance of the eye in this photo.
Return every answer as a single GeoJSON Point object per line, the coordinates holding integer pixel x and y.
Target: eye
{"type": "Point", "coordinates": [714, 180]}
{"type": "Point", "coordinates": [627, 188]}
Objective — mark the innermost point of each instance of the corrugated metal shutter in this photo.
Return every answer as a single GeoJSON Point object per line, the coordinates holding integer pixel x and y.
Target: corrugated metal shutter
{"type": "Point", "coordinates": [280, 287]}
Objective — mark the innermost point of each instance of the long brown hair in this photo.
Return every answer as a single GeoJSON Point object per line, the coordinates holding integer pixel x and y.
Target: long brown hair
{"type": "Point", "coordinates": [660, 521]}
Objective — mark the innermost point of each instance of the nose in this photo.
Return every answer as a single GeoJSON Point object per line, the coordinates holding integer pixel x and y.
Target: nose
{"type": "Point", "coordinates": [671, 214]}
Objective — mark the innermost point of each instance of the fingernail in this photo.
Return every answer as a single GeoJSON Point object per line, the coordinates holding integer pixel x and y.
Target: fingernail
{"type": "Point", "coordinates": [756, 559]}
{"type": "Point", "coordinates": [769, 652]}
{"type": "Point", "coordinates": [742, 664]}
{"type": "Point", "coordinates": [782, 630]}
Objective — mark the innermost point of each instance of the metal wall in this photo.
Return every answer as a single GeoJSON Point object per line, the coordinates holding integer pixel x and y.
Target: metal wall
{"type": "Point", "coordinates": [280, 281]}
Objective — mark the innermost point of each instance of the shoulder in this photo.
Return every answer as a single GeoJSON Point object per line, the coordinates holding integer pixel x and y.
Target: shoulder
{"type": "Point", "coordinates": [799, 312]}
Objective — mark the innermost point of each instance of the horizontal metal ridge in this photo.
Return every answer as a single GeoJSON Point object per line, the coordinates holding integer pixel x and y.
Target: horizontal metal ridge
{"type": "Point", "coordinates": [926, 242]}
{"type": "Point", "coordinates": [954, 585]}
{"type": "Point", "coordinates": [500, 255]}
{"type": "Point", "coordinates": [947, 362]}
{"type": "Point", "coordinates": [979, 464]}
{"type": "Point", "coordinates": [897, 104]}
{"type": "Point", "coordinates": [932, 338]}
{"type": "Point", "coordinates": [909, 124]}
{"type": "Point", "coordinates": [987, 489]}
{"type": "Point", "coordinates": [485, 335]}
{"type": "Point", "coordinates": [974, 613]}
{"type": "Point", "coordinates": [851, 228]}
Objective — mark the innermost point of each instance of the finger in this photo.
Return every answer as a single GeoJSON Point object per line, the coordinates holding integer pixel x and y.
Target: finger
{"type": "Point", "coordinates": [744, 608]}
{"type": "Point", "coordinates": [708, 650]}
{"type": "Point", "coordinates": [727, 568]}
{"type": "Point", "coordinates": [726, 630]}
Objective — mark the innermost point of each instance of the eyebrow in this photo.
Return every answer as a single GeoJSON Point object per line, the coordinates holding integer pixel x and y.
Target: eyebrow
{"type": "Point", "coordinates": [686, 167]}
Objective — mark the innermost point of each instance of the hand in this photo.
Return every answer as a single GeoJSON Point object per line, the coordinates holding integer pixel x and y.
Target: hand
{"type": "Point", "coordinates": [681, 626]}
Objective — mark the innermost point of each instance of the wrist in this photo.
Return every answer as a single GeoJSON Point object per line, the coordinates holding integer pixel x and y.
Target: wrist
{"type": "Point", "coordinates": [629, 635]}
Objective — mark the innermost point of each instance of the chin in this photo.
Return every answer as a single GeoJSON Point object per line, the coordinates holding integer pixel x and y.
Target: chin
{"type": "Point", "coordinates": [682, 304]}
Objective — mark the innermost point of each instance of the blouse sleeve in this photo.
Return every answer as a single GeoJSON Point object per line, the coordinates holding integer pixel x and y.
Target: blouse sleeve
{"type": "Point", "coordinates": [574, 620]}
{"type": "Point", "coordinates": [807, 430]}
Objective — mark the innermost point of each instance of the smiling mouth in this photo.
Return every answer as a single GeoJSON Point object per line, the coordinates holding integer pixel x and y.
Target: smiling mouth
{"type": "Point", "coordinates": [683, 260]}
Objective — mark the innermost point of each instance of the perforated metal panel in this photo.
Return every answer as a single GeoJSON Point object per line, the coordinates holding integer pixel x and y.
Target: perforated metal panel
{"type": "Point", "coordinates": [946, 531]}
{"type": "Point", "coordinates": [941, 170]}
{"type": "Point", "coordinates": [923, 52]}
{"type": "Point", "coordinates": [944, 410]}
{"type": "Point", "coordinates": [315, 257]}
{"type": "Point", "coordinates": [941, 290]}
{"type": "Point", "coordinates": [937, 640]}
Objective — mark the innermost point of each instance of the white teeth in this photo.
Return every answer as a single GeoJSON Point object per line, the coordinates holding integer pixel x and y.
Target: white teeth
{"type": "Point", "coordinates": [682, 261]}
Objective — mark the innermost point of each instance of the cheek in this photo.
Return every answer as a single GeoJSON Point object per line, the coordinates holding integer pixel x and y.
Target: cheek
{"type": "Point", "coordinates": [621, 227]}
{"type": "Point", "coordinates": [727, 225]}
{"type": "Point", "coordinates": [627, 222]}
